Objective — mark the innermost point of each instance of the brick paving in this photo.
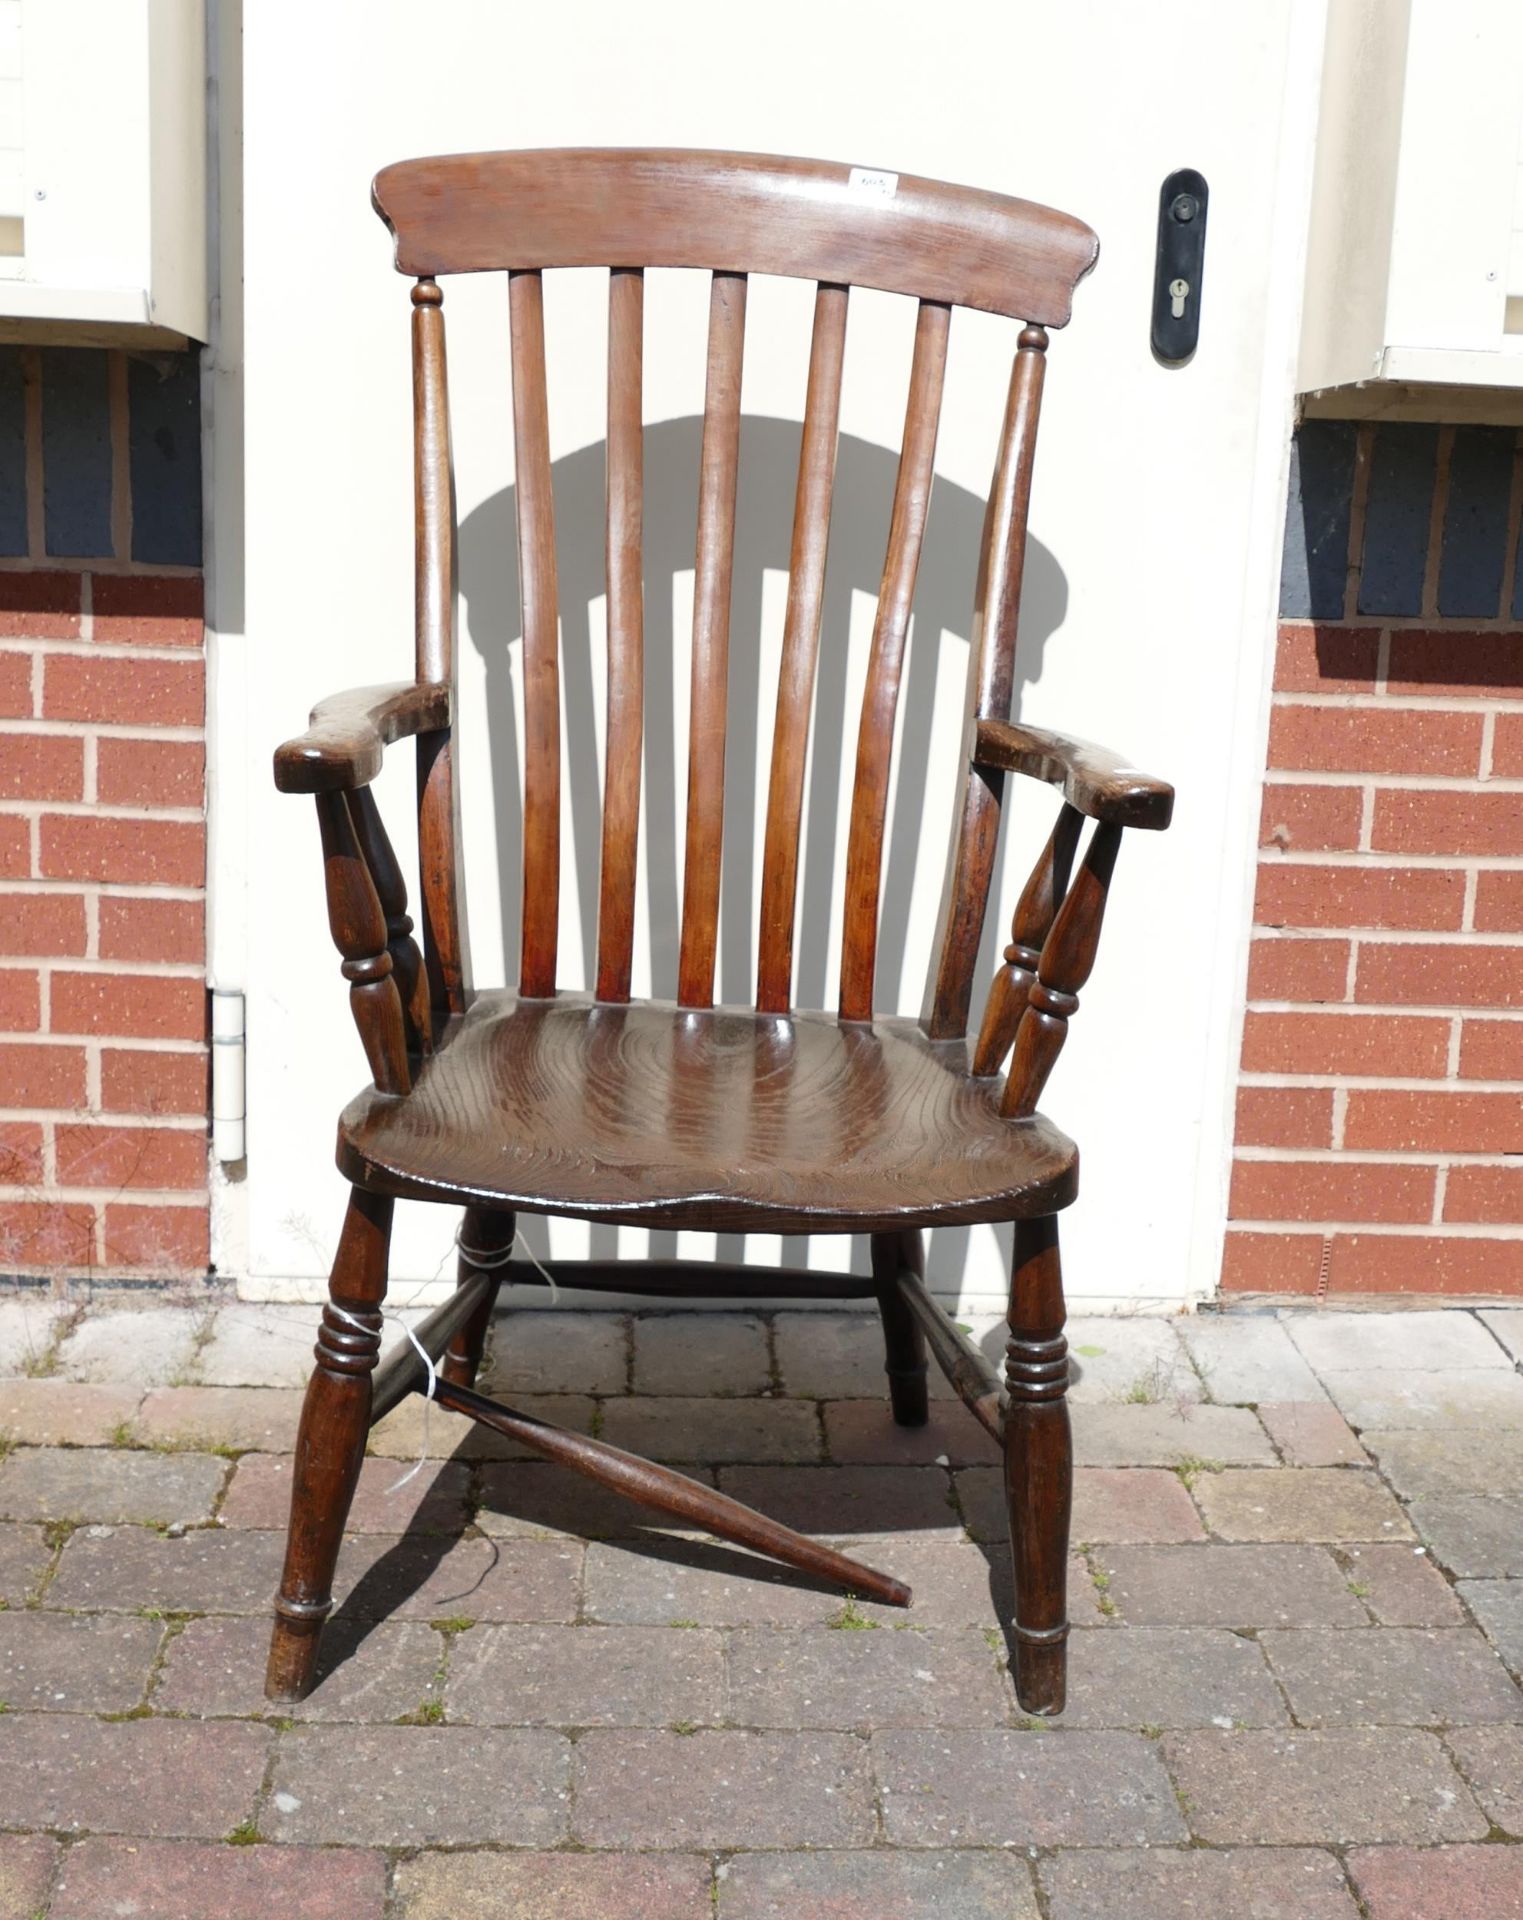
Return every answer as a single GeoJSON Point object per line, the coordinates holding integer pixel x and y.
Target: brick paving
{"type": "Point", "coordinates": [1297, 1597]}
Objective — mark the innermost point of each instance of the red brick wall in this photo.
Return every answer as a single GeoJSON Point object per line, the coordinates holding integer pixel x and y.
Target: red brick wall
{"type": "Point", "coordinates": [103, 1058]}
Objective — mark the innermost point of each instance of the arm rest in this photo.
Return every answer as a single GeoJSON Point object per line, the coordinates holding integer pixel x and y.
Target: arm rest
{"type": "Point", "coordinates": [342, 747]}
{"type": "Point", "coordinates": [1099, 783]}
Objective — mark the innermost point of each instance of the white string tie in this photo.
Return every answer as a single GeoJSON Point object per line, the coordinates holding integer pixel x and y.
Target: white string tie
{"type": "Point", "coordinates": [396, 1319]}
{"type": "Point", "coordinates": [485, 1259]}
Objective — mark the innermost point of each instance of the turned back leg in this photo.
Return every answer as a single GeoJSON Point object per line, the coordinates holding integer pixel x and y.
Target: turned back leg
{"type": "Point", "coordinates": [330, 1443]}
{"type": "Point", "coordinates": [903, 1341]}
{"type": "Point", "coordinates": [486, 1234]}
{"type": "Point", "coordinates": [1038, 1465]}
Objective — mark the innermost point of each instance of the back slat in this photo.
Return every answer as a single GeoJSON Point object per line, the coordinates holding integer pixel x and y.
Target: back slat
{"type": "Point", "coordinates": [880, 701]}
{"type": "Point", "coordinates": [991, 678]}
{"type": "Point", "coordinates": [801, 650]}
{"type": "Point", "coordinates": [537, 586]}
{"type": "Point", "coordinates": [711, 641]}
{"type": "Point", "coordinates": [626, 632]}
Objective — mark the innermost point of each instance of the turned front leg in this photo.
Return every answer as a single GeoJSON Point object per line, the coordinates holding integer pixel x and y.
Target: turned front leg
{"type": "Point", "coordinates": [1038, 1465]}
{"type": "Point", "coordinates": [330, 1444]}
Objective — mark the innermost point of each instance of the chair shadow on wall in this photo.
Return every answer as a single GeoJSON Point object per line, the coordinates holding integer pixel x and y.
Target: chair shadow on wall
{"type": "Point", "coordinates": [865, 476]}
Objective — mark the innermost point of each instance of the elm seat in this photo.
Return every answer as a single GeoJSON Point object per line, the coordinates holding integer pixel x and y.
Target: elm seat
{"type": "Point", "coordinates": [719, 1118]}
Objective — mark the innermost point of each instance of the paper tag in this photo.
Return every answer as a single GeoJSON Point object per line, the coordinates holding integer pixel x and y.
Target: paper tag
{"type": "Point", "coordinates": [870, 180]}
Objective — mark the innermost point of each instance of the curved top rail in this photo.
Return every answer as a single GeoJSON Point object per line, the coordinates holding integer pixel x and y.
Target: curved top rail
{"type": "Point", "coordinates": [736, 212]}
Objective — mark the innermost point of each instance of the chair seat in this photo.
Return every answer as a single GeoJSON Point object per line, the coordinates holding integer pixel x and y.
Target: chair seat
{"type": "Point", "coordinates": [722, 1120]}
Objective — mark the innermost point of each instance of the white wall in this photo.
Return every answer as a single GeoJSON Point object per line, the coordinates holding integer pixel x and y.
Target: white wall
{"type": "Point", "coordinates": [1155, 530]}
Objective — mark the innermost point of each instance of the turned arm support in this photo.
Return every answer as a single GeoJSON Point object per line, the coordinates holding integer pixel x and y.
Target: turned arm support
{"type": "Point", "coordinates": [1095, 781]}
{"type": "Point", "coordinates": [342, 748]}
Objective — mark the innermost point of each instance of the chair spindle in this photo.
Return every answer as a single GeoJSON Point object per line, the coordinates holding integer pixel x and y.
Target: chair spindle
{"type": "Point", "coordinates": [391, 890]}
{"type": "Point", "coordinates": [537, 587]}
{"type": "Point", "coordinates": [1068, 957]}
{"type": "Point", "coordinates": [801, 650]}
{"type": "Point", "coordinates": [358, 927]}
{"type": "Point", "coordinates": [713, 569]}
{"type": "Point", "coordinates": [1029, 927]}
{"type": "Point", "coordinates": [626, 632]}
{"type": "Point", "coordinates": [880, 702]}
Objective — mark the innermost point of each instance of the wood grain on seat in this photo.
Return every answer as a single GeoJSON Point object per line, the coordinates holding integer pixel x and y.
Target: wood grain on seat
{"type": "Point", "coordinates": [716, 1118]}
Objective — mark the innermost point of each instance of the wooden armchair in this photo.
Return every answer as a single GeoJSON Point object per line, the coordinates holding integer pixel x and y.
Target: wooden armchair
{"type": "Point", "coordinates": [689, 1115]}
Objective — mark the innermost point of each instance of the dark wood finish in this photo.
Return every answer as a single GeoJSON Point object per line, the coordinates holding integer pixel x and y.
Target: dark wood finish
{"type": "Point", "coordinates": [718, 469]}
{"type": "Point", "coordinates": [585, 207]}
{"type": "Point", "coordinates": [537, 590]}
{"type": "Point", "coordinates": [1068, 956]}
{"type": "Point", "coordinates": [1038, 1465]}
{"type": "Point", "coordinates": [486, 1236]}
{"type": "Point", "coordinates": [626, 632]}
{"type": "Point", "coordinates": [670, 1492]}
{"type": "Point", "coordinates": [903, 1341]}
{"type": "Point", "coordinates": [330, 1443]}
{"type": "Point", "coordinates": [1094, 780]}
{"type": "Point", "coordinates": [880, 699]}
{"type": "Point", "coordinates": [729, 1122]}
{"type": "Point", "coordinates": [682, 1115]}
{"type": "Point", "coordinates": [1030, 925]}
{"type": "Point", "coordinates": [801, 651]}
{"type": "Point", "coordinates": [359, 932]}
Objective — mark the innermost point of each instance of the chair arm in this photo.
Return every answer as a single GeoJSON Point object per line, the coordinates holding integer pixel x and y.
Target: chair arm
{"type": "Point", "coordinates": [342, 748]}
{"type": "Point", "coordinates": [1095, 781]}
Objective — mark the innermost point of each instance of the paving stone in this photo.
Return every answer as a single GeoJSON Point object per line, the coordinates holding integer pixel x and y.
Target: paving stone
{"type": "Point", "coordinates": [1246, 1359]}
{"type": "Point", "coordinates": [1311, 1433]}
{"type": "Point", "coordinates": [67, 1483]}
{"type": "Point", "coordinates": [434, 1578]}
{"type": "Point", "coordinates": [876, 1885]}
{"type": "Point", "coordinates": [121, 1569]}
{"type": "Point", "coordinates": [1329, 1787]}
{"type": "Point", "coordinates": [527, 1676]}
{"type": "Point", "coordinates": [1299, 1503]}
{"type": "Point", "coordinates": [1258, 1883]}
{"type": "Point", "coordinates": [1402, 1588]}
{"type": "Point", "coordinates": [1471, 1536]}
{"type": "Point", "coordinates": [215, 1667]}
{"type": "Point", "coordinates": [401, 1435]}
{"type": "Point", "coordinates": [1110, 1435]}
{"type": "Point", "coordinates": [830, 1678]}
{"type": "Point", "coordinates": [187, 1880]}
{"type": "Point", "coordinates": [1237, 1587]}
{"type": "Point", "coordinates": [1152, 1677]}
{"type": "Point", "coordinates": [254, 1345]}
{"type": "Point", "coordinates": [531, 1500]}
{"type": "Point", "coordinates": [84, 1663]}
{"type": "Point", "coordinates": [26, 1869]}
{"type": "Point", "coordinates": [1498, 1605]}
{"type": "Point", "coordinates": [716, 1352]}
{"type": "Point", "coordinates": [1506, 1324]}
{"type": "Point", "coordinates": [1130, 1503]}
{"type": "Point", "coordinates": [24, 1558]}
{"type": "Point", "coordinates": [839, 1356]}
{"type": "Point", "coordinates": [1404, 1340]}
{"type": "Point", "coordinates": [840, 1503]}
{"type": "Point", "coordinates": [1491, 1759]}
{"type": "Point", "coordinates": [713, 1431]}
{"type": "Point", "coordinates": [27, 1327]}
{"type": "Point", "coordinates": [721, 1789]}
{"type": "Point", "coordinates": [553, 1886]}
{"type": "Point", "coordinates": [863, 1432]}
{"type": "Point", "coordinates": [1392, 1398]}
{"type": "Point", "coordinates": [57, 1413]}
{"type": "Point", "coordinates": [433, 1501]}
{"type": "Point", "coordinates": [127, 1347]}
{"type": "Point", "coordinates": [1457, 1460]}
{"type": "Point", "coordinates": [1136, 1358]}
{"type": "Point", "coordinates": [1408, 1676]}
{"type": "Point", "coordinates": [560, 1351]}
{"type": "Point", "coordinates": [1461, 1883]}
{"type": "Point", "coordinates": [419, 1786]}
{"type": "Point", "coordinates": [261, 1419]}
{"type": "Point", "coordinates": [1019, 1788]}
{"type": "Point", "coordinates": [168, 1779]}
